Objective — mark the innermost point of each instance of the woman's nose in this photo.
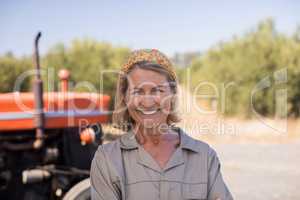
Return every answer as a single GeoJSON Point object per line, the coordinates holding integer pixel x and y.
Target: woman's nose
{"type": "Point", "coordinates": [148, 101]}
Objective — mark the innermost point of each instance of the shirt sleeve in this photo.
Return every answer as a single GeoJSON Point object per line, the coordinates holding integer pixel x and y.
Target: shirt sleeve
{"type": "Point", "coordinates": [217, 188]}
{"type": "Point", "coordinates": [103, 186]}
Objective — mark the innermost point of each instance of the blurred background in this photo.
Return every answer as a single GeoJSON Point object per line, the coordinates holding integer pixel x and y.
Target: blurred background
{"type": "Point", "coordinates": [238, 65]}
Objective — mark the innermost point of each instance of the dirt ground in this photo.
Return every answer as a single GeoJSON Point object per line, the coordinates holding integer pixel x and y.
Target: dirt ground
{"type": "Point", "coordinates": [261, 171]}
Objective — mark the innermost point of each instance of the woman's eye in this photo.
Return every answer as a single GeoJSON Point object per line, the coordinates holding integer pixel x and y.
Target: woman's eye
{"type": "Point", "coordinates": [136, 92]}
{"type": "Point", "coordinates": [153, 92]}
{"type": "Point", "coordinates": [158, 91]}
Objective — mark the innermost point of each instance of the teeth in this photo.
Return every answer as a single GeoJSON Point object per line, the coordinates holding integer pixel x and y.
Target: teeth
{"type": "Point", "coordinates": [150, 112]}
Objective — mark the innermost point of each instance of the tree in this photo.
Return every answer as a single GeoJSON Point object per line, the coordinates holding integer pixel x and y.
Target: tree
{"type": "Point", "coordinates": [245, 61]}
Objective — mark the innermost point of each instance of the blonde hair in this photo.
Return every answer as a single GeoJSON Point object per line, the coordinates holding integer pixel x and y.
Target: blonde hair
{"type": "Point", "coordinates": [121, 118]}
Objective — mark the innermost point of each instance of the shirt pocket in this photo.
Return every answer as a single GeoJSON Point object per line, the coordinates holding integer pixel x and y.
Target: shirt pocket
{"type": "Point", "coordinates": [194, 191]}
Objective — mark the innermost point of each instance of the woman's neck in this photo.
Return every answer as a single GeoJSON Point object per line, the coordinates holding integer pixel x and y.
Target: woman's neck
{"type": "Point", "coordinates": [153, 135]}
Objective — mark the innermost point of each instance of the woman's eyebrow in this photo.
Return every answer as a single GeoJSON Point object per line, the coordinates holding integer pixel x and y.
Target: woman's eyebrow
{"type": "Point", "coordinates": [163, 85]}
{"type": "Point", "coordinates": [157, 86]}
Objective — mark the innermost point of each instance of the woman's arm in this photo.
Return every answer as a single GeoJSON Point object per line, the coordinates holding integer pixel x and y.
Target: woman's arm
{"type": "Point", "coordinates": [217, 189]}
{"type": "Point", "coordinates": [103, 185]}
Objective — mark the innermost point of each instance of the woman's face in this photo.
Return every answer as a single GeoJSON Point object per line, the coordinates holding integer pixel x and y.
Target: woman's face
{"type": "Point", "coordinates": [148, 98]}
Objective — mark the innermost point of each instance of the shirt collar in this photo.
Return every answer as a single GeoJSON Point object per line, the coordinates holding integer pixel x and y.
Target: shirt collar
{"type": "Point", "coordinates": [129, 142]}
{"type": "Point", "coordinates": [187, 142]}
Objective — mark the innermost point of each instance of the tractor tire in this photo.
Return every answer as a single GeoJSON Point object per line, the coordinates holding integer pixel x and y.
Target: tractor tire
{"type": "Point", "coordinates": [80, 191]}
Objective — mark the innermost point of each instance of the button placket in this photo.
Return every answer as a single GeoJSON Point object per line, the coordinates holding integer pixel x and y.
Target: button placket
{"type": "Point", "coordinates": [163, 187]}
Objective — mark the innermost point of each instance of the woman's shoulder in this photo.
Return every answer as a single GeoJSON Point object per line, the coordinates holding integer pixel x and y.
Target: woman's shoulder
{"type": "Point", "coordinates": [109, 147]}
{"type": "Point", "coordinates": [125, 141]}
{"type": "Point", "coordinates": [110, 154]}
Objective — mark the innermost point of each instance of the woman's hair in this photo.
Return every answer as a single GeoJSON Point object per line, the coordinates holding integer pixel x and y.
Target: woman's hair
{"type": "Point", "coordinates": [121, 118]}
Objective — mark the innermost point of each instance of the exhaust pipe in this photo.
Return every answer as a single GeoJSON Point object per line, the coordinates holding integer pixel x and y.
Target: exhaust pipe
{"type": "Point", "coordinates": [38, 98]}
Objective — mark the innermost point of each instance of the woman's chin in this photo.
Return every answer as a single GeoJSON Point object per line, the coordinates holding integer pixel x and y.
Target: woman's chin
{"type": "Point", "coordinates": [150, 121]}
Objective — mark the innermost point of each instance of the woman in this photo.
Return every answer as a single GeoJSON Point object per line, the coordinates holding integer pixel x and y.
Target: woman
{"type": "Point", "coordinates": [154, 159]}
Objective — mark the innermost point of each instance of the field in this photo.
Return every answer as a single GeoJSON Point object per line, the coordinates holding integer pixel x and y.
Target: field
{"type": "Point", "coordinates": [261, 171]}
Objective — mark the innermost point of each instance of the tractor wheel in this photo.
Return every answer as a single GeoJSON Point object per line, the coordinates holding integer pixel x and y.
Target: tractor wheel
{"type": "Point", "coordinates": [80, 191]}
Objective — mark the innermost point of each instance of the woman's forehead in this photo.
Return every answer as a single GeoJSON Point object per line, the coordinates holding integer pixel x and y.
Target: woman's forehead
{"type": "Point", "coordinates": [146, 85]}
{"type": "Point", "coordinates": [141, 77]}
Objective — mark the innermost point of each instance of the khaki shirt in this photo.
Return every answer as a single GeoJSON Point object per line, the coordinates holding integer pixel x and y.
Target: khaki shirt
{"type": "Point", "coordinates": [123, 170]}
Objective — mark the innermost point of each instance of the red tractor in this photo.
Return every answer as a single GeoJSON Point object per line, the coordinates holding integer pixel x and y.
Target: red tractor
{"type": "Point", "coordinates": [47, 140]}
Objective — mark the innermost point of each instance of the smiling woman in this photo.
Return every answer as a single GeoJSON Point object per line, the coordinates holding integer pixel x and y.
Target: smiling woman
{"type": "Point", "coordinates": [146, 82]}
{"type": "Point", "coordinates": [154, 159]}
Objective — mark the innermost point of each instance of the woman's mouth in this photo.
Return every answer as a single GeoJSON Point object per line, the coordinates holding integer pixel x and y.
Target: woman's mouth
{"type": "Point", "coordinates": [148, 112]}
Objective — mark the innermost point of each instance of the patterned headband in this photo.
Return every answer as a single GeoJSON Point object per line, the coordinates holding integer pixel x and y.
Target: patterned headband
{"type": "Point", "coordinates": [149, 55]}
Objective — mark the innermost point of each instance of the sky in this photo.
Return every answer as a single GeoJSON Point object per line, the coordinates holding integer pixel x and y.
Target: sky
{"type": "Point", "coordinates": [170, 25]}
